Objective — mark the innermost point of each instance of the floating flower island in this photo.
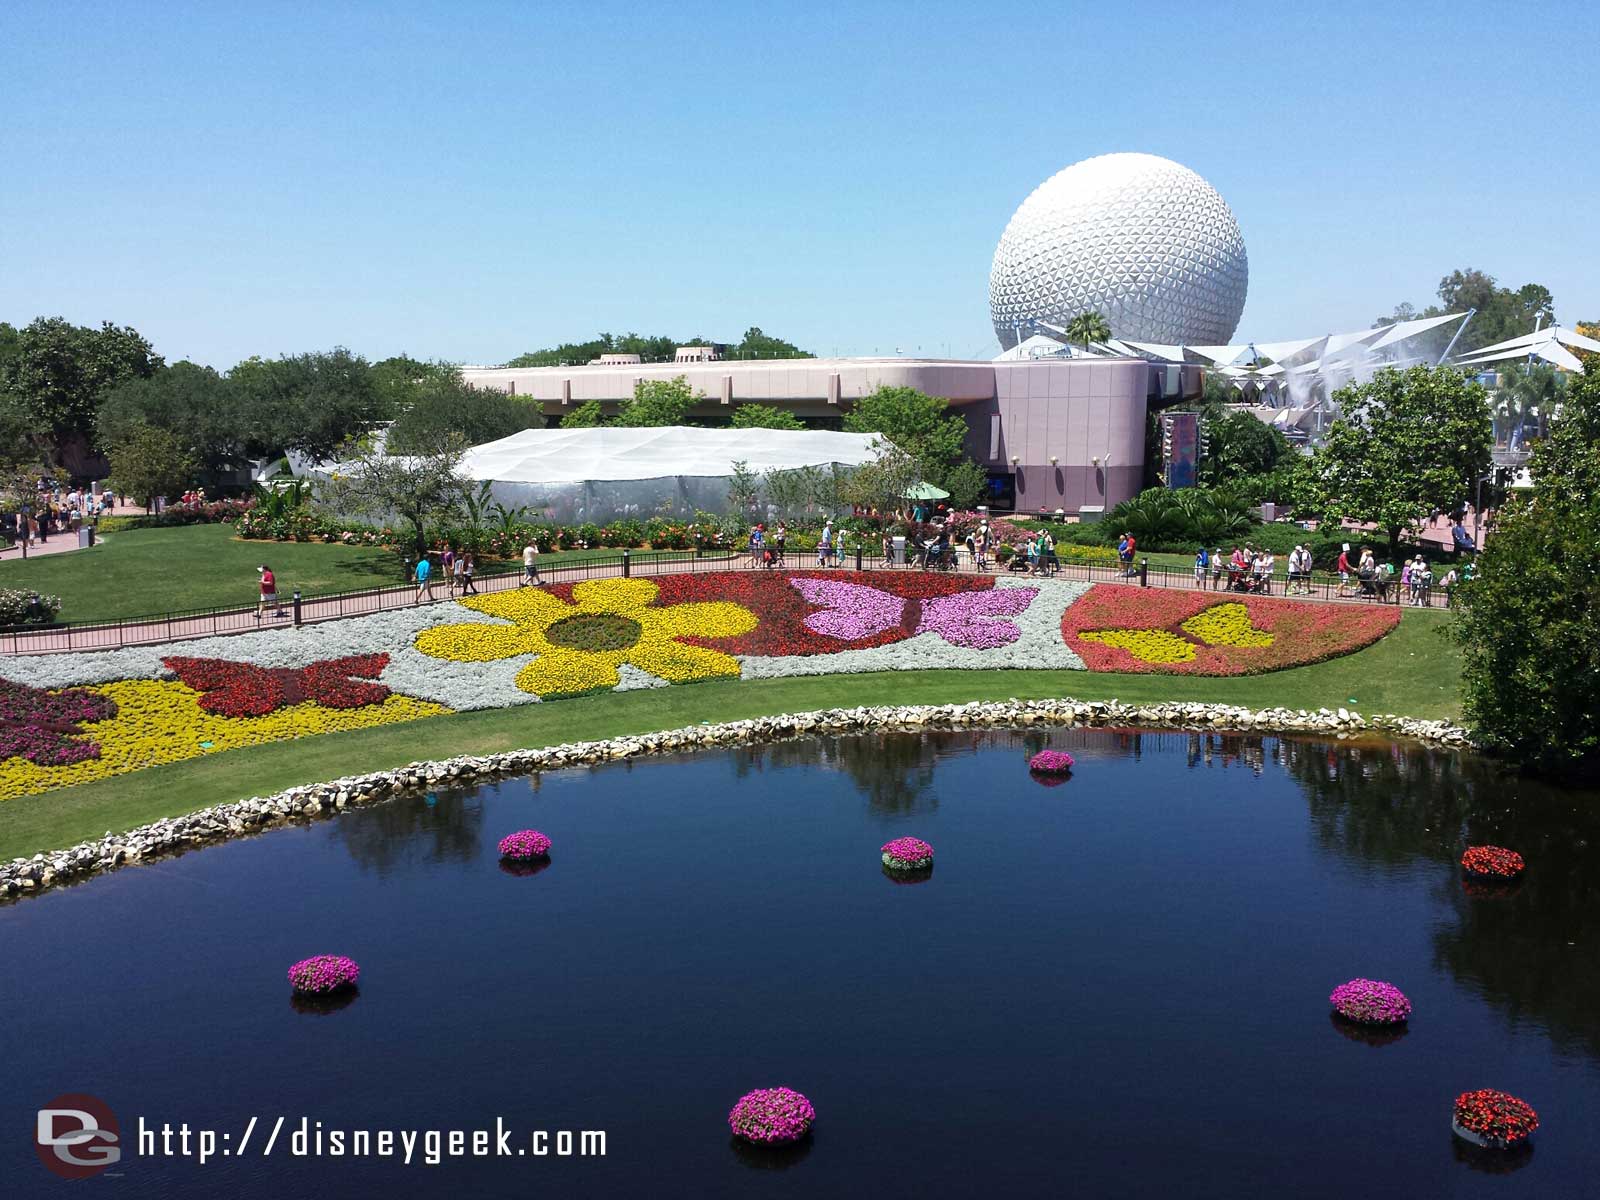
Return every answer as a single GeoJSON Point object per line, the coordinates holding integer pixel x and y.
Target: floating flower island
{"type": "Point", "coordinates": [1493, 1120]}
{"type": "Point", "coordinates": [1492, 864]}
{"type": "Point", "coordinates": [324, 974]}
{"type": "Point", "coordinates": [1371, 1002]}
{"type": "Point", "coordinates": [777, 1116]}
{"type": "Point", "coordinates": [1051, 762]}
{"type": "Point", "coordinates": [908, 854]}
{"type": "Point", "coordinates": [524, 846]}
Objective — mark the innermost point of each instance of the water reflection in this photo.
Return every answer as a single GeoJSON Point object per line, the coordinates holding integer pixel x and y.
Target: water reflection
{"type": "Point", "coordinates": [321, 1006]}
{"type": "Point", "coordinates": [442, 827]}
{"type": "Point", "coordinates": [772, 1158]}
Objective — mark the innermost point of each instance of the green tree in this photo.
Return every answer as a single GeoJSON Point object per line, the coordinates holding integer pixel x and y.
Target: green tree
{"type": "Point", "coordinates": [1406, 444]}
{"type": "Point", "coordinates": [423, 488]}
{"type": "Point", "coordinates": [756, 344]}
{"type": "Point", "coordinates": [1088, 327]}
{"type": "Point", "coordinates": [765, 416]}
{"type": "Point", "coordinates": [658, 402]}
{"type": "Point", "coordinates": [314, 403]}
{"type": "Point", "coordinates": [744, 489]}
{"type": "Point", "coordinates": [55, 374]}
{"type": "Point", "coordinates": [882, 483]}
{"type": "Point", "coordinates": [1238, 444]}
{"type": "Point", "coordinates": [188, 400]}
{"type": "Point", "coordinates": [1529, 622]}
{"type": "Point", "coordinates": [441, 403]}
{"type": "Point", "coordinates": [152, 462]}
{"type": "Point", "coordinates": [1501, 312]}
{"type": "Point", "coordinates": [919, 424]}
{"type": "Point", "coordinates": [587, 415]}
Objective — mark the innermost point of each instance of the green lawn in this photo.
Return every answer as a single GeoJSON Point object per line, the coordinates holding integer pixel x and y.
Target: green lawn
{"type": "Point", "coordinates": [139, 572]}
{"type": "Point", "coordinates": [1413, 671]}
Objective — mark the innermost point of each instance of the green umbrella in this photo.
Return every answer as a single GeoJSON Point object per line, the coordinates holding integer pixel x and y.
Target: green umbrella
{"type": "Point", "coordinates": [926, 491]}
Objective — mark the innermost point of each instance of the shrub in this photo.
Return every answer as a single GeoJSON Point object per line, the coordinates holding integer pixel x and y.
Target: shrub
{"type": "Point", "coordinates": [772, 1116]}
{"type": "Point", "coordinates": [23, 606]}
{"type": "Point", "coordinates": [907, 854]}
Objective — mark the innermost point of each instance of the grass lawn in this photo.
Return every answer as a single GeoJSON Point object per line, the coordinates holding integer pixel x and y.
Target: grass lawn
{"type": "Point", "coordinates": [139, 572]}
{"type": "Point", "coordinates": [1413, 671]}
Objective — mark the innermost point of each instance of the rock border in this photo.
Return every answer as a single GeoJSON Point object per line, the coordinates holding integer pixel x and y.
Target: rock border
{"type": "Point", "coordinates": [175, 835]}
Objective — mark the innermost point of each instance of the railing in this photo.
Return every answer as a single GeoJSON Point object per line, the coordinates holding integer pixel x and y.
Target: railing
{"type": "Point", "coordinates": [305, 609]}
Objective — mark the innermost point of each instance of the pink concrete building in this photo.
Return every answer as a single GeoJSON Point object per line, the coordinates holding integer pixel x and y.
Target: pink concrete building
{"type": "Point", "coordinates": [1053, 433]}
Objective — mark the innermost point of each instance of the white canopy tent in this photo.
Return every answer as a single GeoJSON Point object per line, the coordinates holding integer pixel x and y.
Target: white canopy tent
{"type": "Point", "coordinates": [602, 474]}
{"type": "Point", "coordinates": [1548, 344]}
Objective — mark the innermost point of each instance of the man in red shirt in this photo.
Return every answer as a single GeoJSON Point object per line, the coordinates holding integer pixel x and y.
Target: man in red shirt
{"type": "Point", "coordinates": [1344, 570]}
{"type": "Point", "coordinates": [269, 589]}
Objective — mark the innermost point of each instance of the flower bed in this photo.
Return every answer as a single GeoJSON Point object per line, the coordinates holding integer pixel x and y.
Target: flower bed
{"type": "Point", "coordinates": [772, 1116]}
{"type": "Point", "coordinates": [525, 845]}
{"type": "Point", "coordinates": [1494, 864]}
{"type": "Point", "coordinates": [1051, 762]}
{"type": "Point", "coordinates": [1370, 1002]}
{"type": "Point", "coordinates": [42, 727]}
{"type": "Point", "coordinates": [1493, 1119]}
{"type": "Point", "coordinates": [1157, 630]}
{"type": "Point", "coordinates": [323, 974]}
{"type": "Point", "coordinates": [907, 854]}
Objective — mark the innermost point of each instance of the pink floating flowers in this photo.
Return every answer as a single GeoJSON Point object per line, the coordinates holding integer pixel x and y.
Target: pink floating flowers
{"type": "Point", "coordinates": [907, 854]}
{"type": "Point", "coordinates": [525, 845]}
{"type": "Point", "coordinates": [1370, 1002]}
{"type": "Point", "coordinates": [772, 1116]}
{"type": "Point", "coordinates": [1051, 762]}
{"type": "Point", "coordinates": [324, 974]}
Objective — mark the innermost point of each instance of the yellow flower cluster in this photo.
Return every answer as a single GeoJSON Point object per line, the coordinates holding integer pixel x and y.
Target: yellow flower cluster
{"type": "Point", "coordinates": [1226, 625]}
{"type": "Point", "coordinates": [1147, 645]}
{"type": "Point", "coordinates": [162, 722]}
{"type": "Point", "coordinates": [556, 632]}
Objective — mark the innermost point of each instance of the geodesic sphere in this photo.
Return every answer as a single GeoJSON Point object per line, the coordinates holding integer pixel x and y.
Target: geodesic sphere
{"type": "Point", "coordinates": [1141, 240]}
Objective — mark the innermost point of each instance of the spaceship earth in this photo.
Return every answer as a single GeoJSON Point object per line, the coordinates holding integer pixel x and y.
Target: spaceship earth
{"type": "Point", "coordinates": [1141, 240]}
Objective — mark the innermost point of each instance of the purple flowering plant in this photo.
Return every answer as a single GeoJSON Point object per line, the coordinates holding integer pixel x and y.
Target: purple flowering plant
{"type": "Point", "coordinates": [907, 854]}
{"type": "Point", "coordinates": [524, 844]}
{"type": "Point", "coordinates": [772, 1116]}
{"type": "Point", "coordinates": [42, 726]}
{"type": "Point", "coordinates": [1370, 1002]}
{"type": "Point", "coordinates": [324, 973]}
{"type": "Point", "coordinates": [1051, 762]}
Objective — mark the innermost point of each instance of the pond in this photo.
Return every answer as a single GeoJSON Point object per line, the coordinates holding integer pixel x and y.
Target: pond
{"type": "Point", "coordinates": [1113, 987]}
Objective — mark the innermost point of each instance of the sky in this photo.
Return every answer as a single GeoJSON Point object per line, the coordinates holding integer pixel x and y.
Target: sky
{"type": "Point", "coordinates": [467, 181]}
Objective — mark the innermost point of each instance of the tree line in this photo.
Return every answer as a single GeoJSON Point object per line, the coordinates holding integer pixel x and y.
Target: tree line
{"type": "Point", "coordinates": [657, 348]}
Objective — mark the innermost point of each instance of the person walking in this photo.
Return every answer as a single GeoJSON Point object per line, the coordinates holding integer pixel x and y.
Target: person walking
{"type": "Point", "coordinates": [779, 537]}
{"type": "Point", "coordinates": [268, 591]}
{"type": "Point", "coordinates": [468, 569]}
{"type": "Point", "coordinates": [458, 584]}
{"type": "Point", "coordinates": [1343, 567]}
{"type": "Point", "coordinates": [825, 545]}
{"type": "Point", "coordinates": [530, 563]}
{"type": "Point", "coordinates": [447, 569]}
{"type": "Point", "coordinates": [424, 572]}
{"type": "Point", "coordinates": [1202, 565]}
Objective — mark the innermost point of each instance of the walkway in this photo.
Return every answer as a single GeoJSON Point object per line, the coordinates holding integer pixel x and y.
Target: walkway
{"type": "Point", "coordinates": [313, 609]}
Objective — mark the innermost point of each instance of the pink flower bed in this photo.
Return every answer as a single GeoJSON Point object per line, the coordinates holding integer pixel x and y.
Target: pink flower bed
{"type": "Point", "coordinates": [523, 845]}
{"type": "Point", "coordinates": [772, 1116]}
{"type": "Point", "coordinates": [852, 611]}
{"type": "Point", "coordinates": [907, 854]}
{"type": "Point", "coordinates": [42, 726]}
{"type": "Point", "coordinates": [1370, 1002]}
{"type": "Point", "coordinates": [324, 973]}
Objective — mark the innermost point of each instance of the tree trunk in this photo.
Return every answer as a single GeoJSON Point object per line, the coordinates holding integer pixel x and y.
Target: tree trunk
{"type": "Point", "coordinates": [1394, 543]}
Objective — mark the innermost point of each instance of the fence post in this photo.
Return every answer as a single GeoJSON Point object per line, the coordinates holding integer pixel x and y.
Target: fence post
{"type": "Point", "coordinates": [626, 563]}
{"type": "Point", "coordinates": [1144, 572]}
{"type": "Point", "coordinates": [297, 607]}
{"type": "Point", "coordinates": [858, 558]}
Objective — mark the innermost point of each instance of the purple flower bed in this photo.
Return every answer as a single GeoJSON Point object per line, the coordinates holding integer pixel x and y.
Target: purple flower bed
{"type": "Point", "coordinates": [772, 1116]}
{"type": "Point", "coordinates": [1370, 1002]}
{"type": "Point", "coordinates": [965, 618]}
{"type": "Point", "coordinates": [1051, 762]}
{"type": "Point", "coordinates": [907, 854]}
{"type": "Point", "coordinates": [524, 844]}
{"type": "Point", "coordinates": [850, 611]}
{"type": "Point", "coordinates": [324, 973]}
{"type": "Point", "coordinates": [42, 726]}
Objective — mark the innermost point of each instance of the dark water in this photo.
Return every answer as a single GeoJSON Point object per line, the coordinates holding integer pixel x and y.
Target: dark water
{"type": "Point", "coordinates": [1112, 988]}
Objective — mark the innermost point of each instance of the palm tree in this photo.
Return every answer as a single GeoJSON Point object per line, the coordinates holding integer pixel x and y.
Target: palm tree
{"type": "Point", "coordinates": [1088, 327]}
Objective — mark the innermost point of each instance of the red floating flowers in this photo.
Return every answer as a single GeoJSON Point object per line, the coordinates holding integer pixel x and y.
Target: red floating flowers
{"type": "Point", "coordinates": [1493, 1119]}
{"type": "Point", "coordinates": [1492, 863]}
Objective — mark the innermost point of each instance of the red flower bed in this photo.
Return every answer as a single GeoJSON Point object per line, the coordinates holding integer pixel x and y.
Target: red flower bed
{"type": "Point", "coordinates": [782, 610]}
{"type": "Point", "coordinates": [1492, 862]}
{"type": "Point", "coordinates": [236, 689]}
{"type": "Point", "coordinates": [1500, 1118]}
{"type": "Point", "coordinates": [1302, 632]}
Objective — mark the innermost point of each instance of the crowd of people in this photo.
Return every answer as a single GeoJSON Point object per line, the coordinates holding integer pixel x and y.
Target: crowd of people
{"type": "Point", "coordinates": [54, 509]}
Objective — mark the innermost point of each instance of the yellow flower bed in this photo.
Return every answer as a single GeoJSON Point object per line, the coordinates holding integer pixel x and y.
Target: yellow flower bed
{"type": "Point", "coordinates": [1147, 645]}
{"type": "Point", "coordinates": [564, 668]}
{"type": "Point", "coordinates": [1226, 625]}
{"type": "Point", "coordinates": [159, 722]}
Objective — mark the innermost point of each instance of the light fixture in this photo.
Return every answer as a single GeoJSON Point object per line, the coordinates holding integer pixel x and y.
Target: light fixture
{"type": "Point", "coordinates": [1095, 460]}
{"type": "Point", "coordinates": [1015, 460]}
{"type": "Point", "coordinates": [1052, 460]}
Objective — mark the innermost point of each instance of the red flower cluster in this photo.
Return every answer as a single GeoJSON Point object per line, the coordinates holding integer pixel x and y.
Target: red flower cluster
{"type": "Point", "coordinates": [236, 689]}
{"type": "Point", "coordinates": [1496, 1116]}
{"type": "Point", "coordinates": [1302, 632]}
{"type": "Point", "coordinates": [782, 610]}
{"type": "Point", "coordinates": [1492, 862]}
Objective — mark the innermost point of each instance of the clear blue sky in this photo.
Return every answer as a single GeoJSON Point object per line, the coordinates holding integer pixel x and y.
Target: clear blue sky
{"type": "Point", "coordinates": [467, 181]}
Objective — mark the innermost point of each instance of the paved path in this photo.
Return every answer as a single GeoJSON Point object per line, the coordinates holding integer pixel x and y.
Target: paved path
{"type": "Point", "coordinates": [209, 622]}
{"type": "Point", "coordinates": [63, 543]}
